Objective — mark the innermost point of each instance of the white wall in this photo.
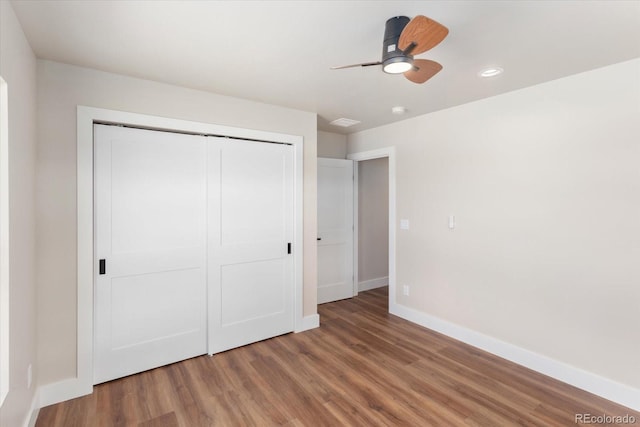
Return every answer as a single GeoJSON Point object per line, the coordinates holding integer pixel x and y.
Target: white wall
{"type": "Point", "coordinates": [545, 186]}
{"type": "Point", "coordinates": [18, 68]}
{"type": "Point", "coordinates": [332, 145]}
{"type": "Point", "coordinates": [60, 89]}
{"type": "Point", "coordinates": [373, 222]}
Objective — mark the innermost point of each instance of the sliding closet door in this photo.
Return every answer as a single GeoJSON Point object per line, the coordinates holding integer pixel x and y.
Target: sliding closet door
{"type": "Point", "coordinates": [150, 233]}
{"type": "Point", "coordinates": [250, 232]}
{"type": "Point", "coordinates": [193, 235]}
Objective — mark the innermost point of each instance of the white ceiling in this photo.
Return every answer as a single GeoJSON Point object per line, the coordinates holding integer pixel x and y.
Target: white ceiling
{"type": "Point", "coordinates": [279, 52]}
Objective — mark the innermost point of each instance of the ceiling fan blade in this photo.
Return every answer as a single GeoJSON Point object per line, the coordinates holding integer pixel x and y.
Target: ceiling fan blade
{"type": "Point", "coordinates": [424, 33]}
{"type": "Point", "coordinates": [365, 64]}
{"type": "Point", "coordinates": [423, 70]}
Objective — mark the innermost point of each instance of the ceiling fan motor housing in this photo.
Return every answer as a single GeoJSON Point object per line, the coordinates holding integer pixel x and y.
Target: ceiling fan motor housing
{"type": "Point", "coordinates": [390, 52]}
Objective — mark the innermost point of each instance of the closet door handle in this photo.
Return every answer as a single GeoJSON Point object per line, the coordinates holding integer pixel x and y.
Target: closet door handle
{"type": "Point", "coordinates": [103, 266]}
{"type": "Point", "coordinates": [319, 238]}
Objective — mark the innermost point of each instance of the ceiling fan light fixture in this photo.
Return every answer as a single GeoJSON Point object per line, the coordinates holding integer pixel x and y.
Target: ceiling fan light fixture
{"type": "Point", "coordinates": [403, 39]}
{"type": "Point", "coordinates": [397, 65]}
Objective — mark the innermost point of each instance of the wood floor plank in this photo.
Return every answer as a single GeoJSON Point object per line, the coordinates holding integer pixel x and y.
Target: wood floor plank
{"type": "Point", "coordinates": [166, 420]}
{"type": "Point", "coordinates": [362, 367]}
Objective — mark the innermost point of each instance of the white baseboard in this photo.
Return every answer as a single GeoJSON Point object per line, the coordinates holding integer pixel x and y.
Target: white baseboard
{"type": "Point", "coordinates": [72, 388]}
{"type": "Point", "coordinates": [309, 322]}
{"type": "Point", "coordinates": [63, 390]}
{"type": "Point", "coordinates": [608, 389]}
{"type": "Point", "coordinates": [367, 285]}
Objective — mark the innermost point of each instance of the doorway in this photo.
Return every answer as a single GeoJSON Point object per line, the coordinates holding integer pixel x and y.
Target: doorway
{"type": "Point", "coordinates": [358, 158]}
{"type": "Point", "coordinates": [372, 235]}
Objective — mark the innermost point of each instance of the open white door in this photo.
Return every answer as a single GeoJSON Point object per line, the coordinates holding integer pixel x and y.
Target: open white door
{"type": "Point", "coordinates": [250, 242]}
{"type": "Point", "coordinates": [150, 234]}
{"type": "Point", "coordinates": [335, 230]}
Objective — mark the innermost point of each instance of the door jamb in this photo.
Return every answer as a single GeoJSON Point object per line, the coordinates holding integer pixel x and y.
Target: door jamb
{"type": "Point", "coordinates": [357, 157]}
{"type": "Point", "coordinates": [354, 238]}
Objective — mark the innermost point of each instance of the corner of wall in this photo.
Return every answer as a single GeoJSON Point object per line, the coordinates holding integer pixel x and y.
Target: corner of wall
{"type": "Point", "coordinates": [34, 410]}
{"type": "Point", "coordinates": [309, 322]}
{"type": "Point", "coordinates": [18, 68]}
{"type": "Point", "coordinates": [332, 145]}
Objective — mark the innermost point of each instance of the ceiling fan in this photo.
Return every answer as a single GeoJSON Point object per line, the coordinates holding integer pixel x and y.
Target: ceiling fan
{"type": "Point", "coordinates": [404, 38]}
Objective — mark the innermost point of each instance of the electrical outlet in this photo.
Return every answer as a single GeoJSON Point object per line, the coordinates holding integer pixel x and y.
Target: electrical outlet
{"type": "Point", "coordinates": [29, 376]}
{"type": "Point", "coordinates": [405, 290]}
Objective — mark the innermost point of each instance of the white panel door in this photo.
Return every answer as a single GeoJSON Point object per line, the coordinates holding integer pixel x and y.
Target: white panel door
{"type": "Point", "coordinates": [250, 220]}
{"type": "Point", "coordinates": [150, 230]}
{"type": "Point", "coordinates": [335, 230]}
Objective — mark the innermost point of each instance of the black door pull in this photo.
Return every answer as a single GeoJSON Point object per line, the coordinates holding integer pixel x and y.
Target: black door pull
{"type": "Point", "coordinates": [103, 266]}
{"type": "Point", "coordinates": [288, 248]}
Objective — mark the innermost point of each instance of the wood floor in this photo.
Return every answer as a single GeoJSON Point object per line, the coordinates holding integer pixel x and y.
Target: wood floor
{"type": "Point", "coordinates": [362, 367]}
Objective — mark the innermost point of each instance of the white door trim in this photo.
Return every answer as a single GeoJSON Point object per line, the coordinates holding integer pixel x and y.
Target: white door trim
{"type": "Point", "coordinates": [4, 243]}
{"type": "Point", "coordinates": [356, 215]}
{"type": "Point", "coordinates": [390, 153]}
{"type": "Point", "coordinates": [82, 384]}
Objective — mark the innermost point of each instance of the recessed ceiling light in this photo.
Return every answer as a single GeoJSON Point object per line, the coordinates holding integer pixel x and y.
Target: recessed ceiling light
{"type": "Point", "coordinates": [491, 72]}
{"type": "Point", "coordinates": [399, 110]}
{"type": "Point", "coordinates": [345, 123]}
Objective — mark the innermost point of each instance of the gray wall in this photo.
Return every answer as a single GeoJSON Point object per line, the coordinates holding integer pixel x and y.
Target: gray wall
{"type": "Point", "coordinates": [544, 183]}
{"type": "Point", "coordinates": [332, 145]}
{"type": "Point", "coordinates": [373, 222]}
{"type": "Point", "coordinates": [18, 69]}
{"type": "Point", "coordinates": [60, 89]}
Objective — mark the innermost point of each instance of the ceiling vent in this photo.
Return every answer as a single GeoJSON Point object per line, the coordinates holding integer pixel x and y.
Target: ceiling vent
{"type": "Point", "coordinates": [345, 123]}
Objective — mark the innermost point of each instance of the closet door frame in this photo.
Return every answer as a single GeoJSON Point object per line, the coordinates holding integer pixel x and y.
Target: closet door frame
{"type": "Point", "coordinates": [86, 118]}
